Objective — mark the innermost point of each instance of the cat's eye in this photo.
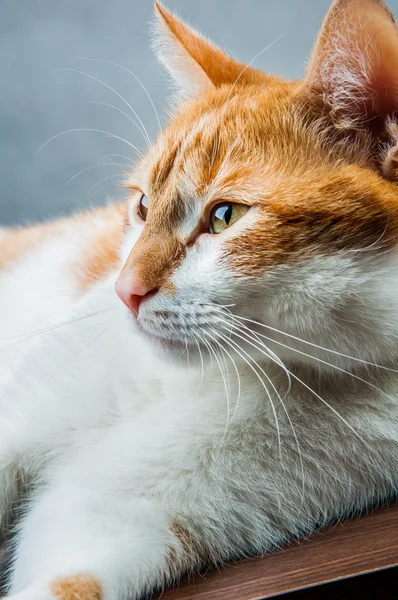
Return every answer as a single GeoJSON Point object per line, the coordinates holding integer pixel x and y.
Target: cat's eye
{"type": "Point", "coordinates": [143, 207]}
{"type": "Point", "coordinates": [226, 214]}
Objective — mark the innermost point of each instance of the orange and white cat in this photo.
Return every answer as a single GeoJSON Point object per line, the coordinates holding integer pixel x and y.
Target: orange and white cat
{"type": "Point", "coordinates": [245, 390]}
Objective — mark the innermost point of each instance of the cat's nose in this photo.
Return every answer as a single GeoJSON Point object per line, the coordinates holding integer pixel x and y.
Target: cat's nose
{"type": "Point", "coordinates": [131, 292]}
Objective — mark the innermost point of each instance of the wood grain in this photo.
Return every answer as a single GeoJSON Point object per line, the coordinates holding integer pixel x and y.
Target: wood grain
{"type": "Point", "coordinates": [362, 545]}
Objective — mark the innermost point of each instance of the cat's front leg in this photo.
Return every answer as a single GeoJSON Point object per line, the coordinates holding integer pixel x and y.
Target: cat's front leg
{"type": "Point", "coordinates": [79, 543]}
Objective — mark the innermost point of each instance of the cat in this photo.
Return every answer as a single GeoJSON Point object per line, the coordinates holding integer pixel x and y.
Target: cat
{"type": "Point", "coordinates": [240, 388]}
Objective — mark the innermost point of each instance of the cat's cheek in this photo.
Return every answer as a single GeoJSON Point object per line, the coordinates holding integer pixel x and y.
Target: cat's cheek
{"type": "Point", "coordinates": [202, 276]}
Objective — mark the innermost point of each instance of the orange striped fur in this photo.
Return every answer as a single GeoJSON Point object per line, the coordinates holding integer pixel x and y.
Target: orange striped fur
{"type": "Point", "coordinates": [308, 165]}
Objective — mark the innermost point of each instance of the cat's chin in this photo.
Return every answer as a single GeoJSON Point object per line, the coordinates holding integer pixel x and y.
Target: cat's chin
{"type": "Point", "coordinates": [171, 349]}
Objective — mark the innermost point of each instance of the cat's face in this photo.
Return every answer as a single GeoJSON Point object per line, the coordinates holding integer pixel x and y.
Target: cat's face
{"type": "Point", "coordinates": [255, 206]}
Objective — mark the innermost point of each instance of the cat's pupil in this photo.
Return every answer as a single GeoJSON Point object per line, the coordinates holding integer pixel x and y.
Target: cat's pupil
{"type": "Point", "coordinates": [228, 214]}
{"type": "Point", "coordinates": [143, 207]}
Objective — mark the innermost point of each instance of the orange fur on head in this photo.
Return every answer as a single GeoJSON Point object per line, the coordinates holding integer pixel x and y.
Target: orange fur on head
{"type": "Point", "coordinates": [309, 156]}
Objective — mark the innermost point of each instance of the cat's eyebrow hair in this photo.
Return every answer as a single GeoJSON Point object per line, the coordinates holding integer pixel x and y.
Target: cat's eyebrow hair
{"type": "Point", "coordinates": [162, 169]}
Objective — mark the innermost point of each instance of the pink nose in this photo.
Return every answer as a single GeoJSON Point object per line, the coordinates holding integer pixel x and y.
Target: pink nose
{"type": "Point", "coordinates": [131, 292]}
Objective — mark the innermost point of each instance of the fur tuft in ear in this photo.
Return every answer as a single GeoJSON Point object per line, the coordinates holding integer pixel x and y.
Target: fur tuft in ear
{"type": "Point", "coordinates": [353, 69]}
{"type": "Point", "coordinates": [187, 75]}
{"type": "Point", "coordinates": [194, 63]}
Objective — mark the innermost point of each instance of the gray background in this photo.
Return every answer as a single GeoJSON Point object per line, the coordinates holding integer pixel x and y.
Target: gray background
{"type": "Point", "coordinates": [38, 100]}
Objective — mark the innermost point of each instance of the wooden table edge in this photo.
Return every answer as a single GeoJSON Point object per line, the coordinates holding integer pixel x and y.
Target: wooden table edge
{"type": "Point", "coordinates": [337, 553]}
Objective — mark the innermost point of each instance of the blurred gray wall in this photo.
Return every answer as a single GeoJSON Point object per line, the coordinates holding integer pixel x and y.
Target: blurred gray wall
{"type": "Point", "coordinates": [38, 100]}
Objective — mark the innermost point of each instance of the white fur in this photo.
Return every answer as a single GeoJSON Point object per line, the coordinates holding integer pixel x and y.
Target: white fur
{"type": "Point", "coordinates": [121, 444]}
{"type": "Point", "coordinates": [119, 435]}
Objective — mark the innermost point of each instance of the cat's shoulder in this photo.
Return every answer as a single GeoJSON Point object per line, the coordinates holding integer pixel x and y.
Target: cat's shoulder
{"type": "Point", "coordinates": [94, 235]}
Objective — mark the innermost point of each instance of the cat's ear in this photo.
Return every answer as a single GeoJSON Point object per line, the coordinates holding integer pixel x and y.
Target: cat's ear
{"type": "Point", "coordinates": [354, 66]}
{"type": "Point", "coordinates": [194, 63]}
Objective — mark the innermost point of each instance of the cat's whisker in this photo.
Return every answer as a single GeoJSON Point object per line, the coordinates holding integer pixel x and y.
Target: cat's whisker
{"type": "Point", "coordinates": [202, 372]}
{"type": "Point", "coordinates": [142, 127]}
{"type": "Point", "coordinates": [224, 361]}
{"type": "Point", "coordinates": [92, 130]}
{"type": "Point", "coordinates": [61, 312]}
{"type": "Point", "coordinates": [320, 360]}
{"type": "Point", "coordinates": [77, 353]}
{"type": "Point", "coordinates": [43, 330]}
{"type": "Point", "coordinates": [127, 158]}
{"type": "Point", "coordinates": [66, 337]}
{"type": "Point", "coordinates": [206, 344]}
{"type": "Point", "coordinates": [360, 360]}
{"type": "Point", "coordinates": [269, 354]}
{"type": "Point", "coordinates": [321, 399]}
{"type": "Point", "coordinates": [329, 406]}
{"type": "Point", "coordinates": [100, 164]}
{"type": "Point", "coordinates": [325, 362]}
{"type": "Point", "coordinates": [116, 108]}
{"type": "Point", "coordinates": [109, 62]}
{"type": "Point", "coordinates": [255, 337]}
{"type": "Point", "coordinates": [238, 381]}
{"type": "Point", "coordinates": [229, 419]}
{"type": "Point", "coordinates": [187, 351]}
{"type": "Point", "coordinates": [287, 415]}
{"type": "Point", "coordinates": [226, 387]}
{"type": "Point", "coordinates": [238, 349]}
{"type": "Point", "coordinates": [91, 192]}
{"type": "Point", "coordinates": [116, 194]}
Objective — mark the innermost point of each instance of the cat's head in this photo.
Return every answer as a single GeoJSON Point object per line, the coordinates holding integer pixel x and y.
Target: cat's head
{"type": "Point", "coordinates": [271, 201]}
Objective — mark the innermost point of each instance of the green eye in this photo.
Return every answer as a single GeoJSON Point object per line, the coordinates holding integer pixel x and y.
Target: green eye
{"type": "Point", "coordinates": [143, 207]}
{"type": "Point", "coordinates": [226, 214]}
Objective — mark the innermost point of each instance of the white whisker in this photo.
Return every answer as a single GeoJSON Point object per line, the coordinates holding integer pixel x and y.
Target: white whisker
{"type": "Point", "coordinates": [111, 164]}
{"type": "Point", "coordinates": [202, 372]}
{"type": "Point", "coordinates": [324, 401]}
{"type": "Point", "coordinates": [286, 412]}
{"type": "Point", "coordinates": [365, 362]}
{"type": "Point", "coordinates": [90, 129]}
{"type": "Point", "coordinates": [237, 377]}
{"type": "Point", "coordinates": [109, 62]}
{"type": "Point", "coordinates": [325, 362]}
{"type": "Point", "coordinates": [226, 387]}
{"type": "Point", "coordinates": [93, 187]}
{"type": "Point", "coordinates": [30, 335]}
{"type": "Point", "coordinates": [254, 336]}
{"type": "Point", "coordinates": [238, 350]}
{"type": "Point", "coordinates": [117, 109]}
{"type": "Point", "coordinates": [206, 345]}
{"type": "Point", "coordinates": [142, 126]}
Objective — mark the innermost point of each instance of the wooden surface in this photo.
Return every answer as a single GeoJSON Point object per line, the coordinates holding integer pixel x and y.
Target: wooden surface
{"type": "Point", "coordinates": [358, 546]}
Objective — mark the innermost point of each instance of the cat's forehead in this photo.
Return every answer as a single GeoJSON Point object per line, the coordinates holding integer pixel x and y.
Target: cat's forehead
{"type": "Point", "coordinates": [212, 150]}
{"type": "Point", "coordinates": [228, 147]}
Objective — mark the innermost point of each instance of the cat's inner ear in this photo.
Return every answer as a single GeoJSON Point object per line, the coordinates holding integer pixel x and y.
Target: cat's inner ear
{"type": "Point", "coordinates": [353, 70]}
{"type": "Point", "coordinates": [194, 63]}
